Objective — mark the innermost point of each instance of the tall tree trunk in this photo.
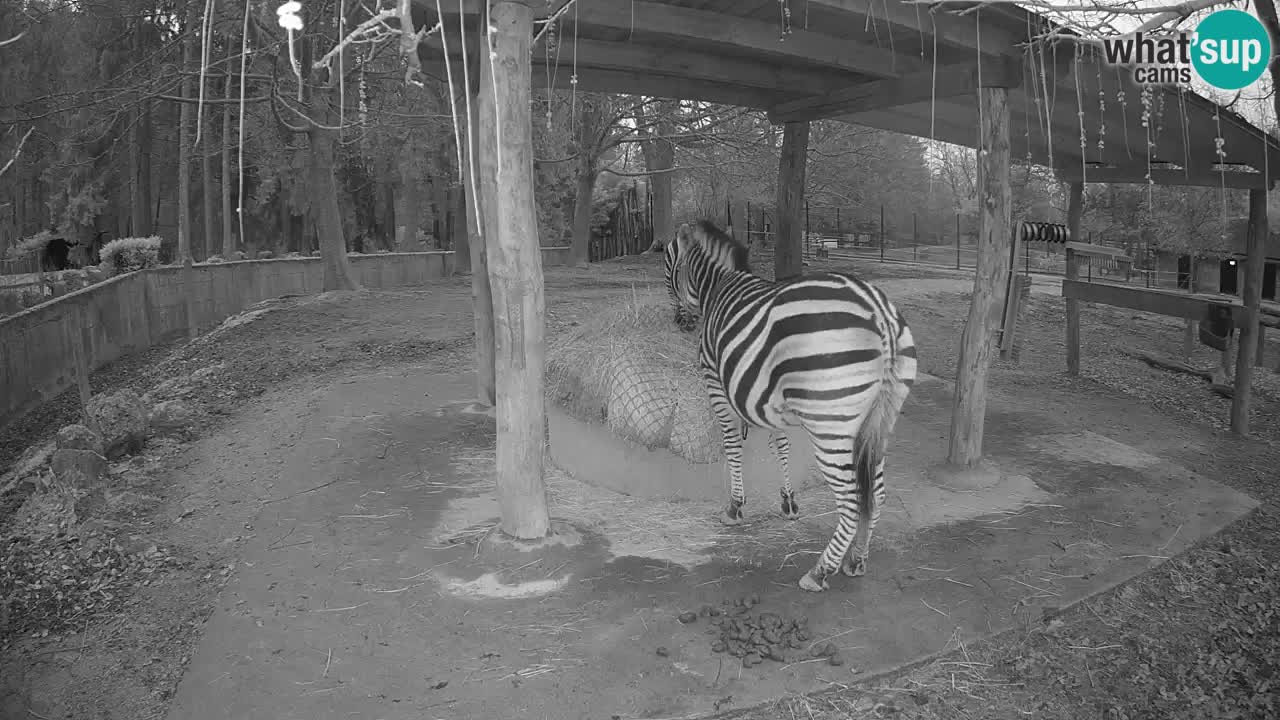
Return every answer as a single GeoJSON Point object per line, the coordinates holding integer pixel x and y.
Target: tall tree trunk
{"type": "Point", "coordinates": [582, 206]}
{"type": "Point", "coordinates": [207, 196]}
{"type": "Point", "coordinates": [140, 155]}
{"type": "Point", "coordinates": [228, 233]}
{"type": "Point", "coordinates": [481, 291]}
{"type": "Point", "coordinates": [185, 114]}
{"type": "Point", "coordinates": [408, 190]}
{"type": "Point", "coordinates": [659, 158]}
{"type": "Point", "coordinates": [515, 266]}
{"type": "Point", "coordinates": [326, 213]}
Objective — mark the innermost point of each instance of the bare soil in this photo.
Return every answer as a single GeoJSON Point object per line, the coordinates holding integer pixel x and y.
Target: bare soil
{"type": "Point", "coordinates": [1194, 638]}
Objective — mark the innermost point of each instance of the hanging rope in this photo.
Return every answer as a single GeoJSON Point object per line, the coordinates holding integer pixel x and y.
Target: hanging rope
{"type": "Point", "coordinates": [473, 185]}
{"type": "Point", "coordinates": [206, 39]}
{"type": "Point", "coordinates": [244, 69]}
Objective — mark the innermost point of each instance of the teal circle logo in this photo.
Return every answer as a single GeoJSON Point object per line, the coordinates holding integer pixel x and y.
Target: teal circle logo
{"type": "Point", "coordinates": [1231, 49]}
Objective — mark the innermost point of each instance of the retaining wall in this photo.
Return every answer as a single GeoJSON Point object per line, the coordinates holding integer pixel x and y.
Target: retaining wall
{"type": "Point", "coordinates": [132, 312]}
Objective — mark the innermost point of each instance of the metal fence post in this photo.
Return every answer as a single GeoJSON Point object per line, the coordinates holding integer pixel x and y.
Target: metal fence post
{"type": "Point", "coordinates": [957, 241]}
{"type": "Point", "coordinates": [882, 232]}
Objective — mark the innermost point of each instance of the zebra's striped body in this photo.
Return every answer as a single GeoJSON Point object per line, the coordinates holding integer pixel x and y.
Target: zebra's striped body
{"type": "Point", "coordinates": [827, 352]}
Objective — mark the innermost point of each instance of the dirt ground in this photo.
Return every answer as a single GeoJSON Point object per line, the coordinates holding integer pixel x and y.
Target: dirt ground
{"type": "Point", "coordinates": [144, 561]}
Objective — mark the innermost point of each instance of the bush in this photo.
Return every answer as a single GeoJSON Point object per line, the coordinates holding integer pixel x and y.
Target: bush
{"type": "Point", "coordinates": [30, 247]}
{"type": "Point", "coordinates": [131, 253]}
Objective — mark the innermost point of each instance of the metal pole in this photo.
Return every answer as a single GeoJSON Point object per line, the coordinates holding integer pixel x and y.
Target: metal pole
{"type": "Point", "coordinates": [957, 241]}
{"type": "Point", "coordinates": [915, 237]}
{"type": "Point", "coordinates": [1026, 251]}
{"type": "Point", "coordinates": [882, 232]}
{"type": "Point", "coordinates": [806, 224]}
{"type": "Point", "coordinates": [839, 235]}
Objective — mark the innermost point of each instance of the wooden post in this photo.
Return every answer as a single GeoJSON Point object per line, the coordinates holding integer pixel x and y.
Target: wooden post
{"type": "Point", "coordinates": [1252, 296]}
{"type": "Point", "coordinates": [881, 232]}
{"type": "Point", "coordinates": [458, 228]}
{"type": "Point", "coordinates": [515, 269]}
{"type": "Point", "coordinates": [969, 412]}
{"type": "Point", "coordinates": [1075, 208]}
{"type": "Point", "coordinates": [473, 199]}
{"type": "Point", "coordinates": [1188, 339]}
{"type": "Point", "coordinates": [1260, 359]}
{"type": "Point", "coordinates": [791, 178]}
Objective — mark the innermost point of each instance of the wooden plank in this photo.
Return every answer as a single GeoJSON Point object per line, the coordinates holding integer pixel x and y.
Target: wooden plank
{"type": "Point", "coordinates": [995, 225]}
{"type": "Point", "coordinates": [1152, 300]}
{"type": "Point", "coordinates": [592, 56]}
{"type": "Point", "coordinates": [950, 81]}
{"type": "Point", "coordinates": [761, 38]}
{"type": "Point", "coordinates": [950, 28]}
{"type": "Point", "coordinates": [1164, 176]}
{"type": "Point", "coordinates": [787, 262]}
{"type": "Point", "coordinates": [1075, 209]}
{"type": "Point", "coordinates": [515, 272]}
{"type": "Point", "coordinates": [695, 27]}
{"type": "Point", "coordinates": [1251, 298]}
{"type": "Point", "coordinates": [1097, 251]}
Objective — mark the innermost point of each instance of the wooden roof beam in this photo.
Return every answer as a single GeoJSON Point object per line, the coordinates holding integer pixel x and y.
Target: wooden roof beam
{"type": "Point", "coordinates": [1166, 176]}
{"type": "Point", "coordinates": [693, 65]}
{"type": "Point", "coordinates": [634, 83]}
{"type": "Point", "coordinates": [926, 86]}
{"type": "Point", "coordinates": [950, 28]}
{"type": "Point", "coordinates": [719, 29]}
{"type": "Point", "coordinates": [759, 37]}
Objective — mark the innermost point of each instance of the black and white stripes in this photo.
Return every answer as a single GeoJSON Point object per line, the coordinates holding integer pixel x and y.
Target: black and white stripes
{"type": "Point", "coordinates": [826, 352]}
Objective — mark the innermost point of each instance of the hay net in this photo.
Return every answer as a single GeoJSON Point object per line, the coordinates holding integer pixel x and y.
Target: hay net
{"type": "Point", "coordinates": [629, 368]}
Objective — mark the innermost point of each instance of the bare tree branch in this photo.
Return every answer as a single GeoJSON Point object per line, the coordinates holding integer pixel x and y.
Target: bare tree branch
{"type": "Point", "coordinates": [17, 152]}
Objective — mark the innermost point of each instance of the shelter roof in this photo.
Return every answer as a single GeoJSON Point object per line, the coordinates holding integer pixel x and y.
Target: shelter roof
{"type": "Point", "coordinates": [906, 67]}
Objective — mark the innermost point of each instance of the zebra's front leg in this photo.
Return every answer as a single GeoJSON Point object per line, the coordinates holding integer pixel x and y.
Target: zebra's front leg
{"type": "Point", "coordinates": [855, 563]}
{"type": "Point", "coordinates": [782, 451]}
{"type": "Point", "coordinates": [732, 429]}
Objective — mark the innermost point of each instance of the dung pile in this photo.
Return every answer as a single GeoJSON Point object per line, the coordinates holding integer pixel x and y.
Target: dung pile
{"type": "Point", "coordinates": [631, 369]}
{"type": "Point", "coordinates": [758, 636]}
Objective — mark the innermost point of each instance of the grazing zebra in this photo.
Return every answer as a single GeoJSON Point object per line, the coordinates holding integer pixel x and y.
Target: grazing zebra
{"type": "Point", "coordinates": [827, 352]}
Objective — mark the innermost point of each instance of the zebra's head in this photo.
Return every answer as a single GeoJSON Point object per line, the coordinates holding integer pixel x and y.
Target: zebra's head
{"type": "Point", "coordinates": [675, 257]}
{"type": "Point", "coordinates": [699, 252]}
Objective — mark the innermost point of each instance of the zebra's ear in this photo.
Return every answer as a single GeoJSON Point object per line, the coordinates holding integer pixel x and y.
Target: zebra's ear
{"type": "Point", "coordinates": [684, 236]}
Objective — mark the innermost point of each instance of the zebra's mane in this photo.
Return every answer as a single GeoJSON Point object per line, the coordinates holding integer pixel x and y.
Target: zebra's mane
{"type": "Point", "coordinates": [716, 243]}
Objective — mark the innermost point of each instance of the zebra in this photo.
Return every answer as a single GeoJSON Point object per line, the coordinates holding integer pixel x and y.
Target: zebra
{"type": "Point", "coordinates": [827, 352]}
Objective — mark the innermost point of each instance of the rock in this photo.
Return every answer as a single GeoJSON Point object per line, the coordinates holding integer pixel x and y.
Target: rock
{"type": "Point", "coordinates": [122, 419]}
{"type": "Point", "coordinates": [79, 468]}
{"type": "Point", "coordinates": [238, 255]}
{"type": "Point", "coordinates": [79, 437]}
{"type": "Point", "coordinates": [265, 254]}
{"type": "Point", "coordinates": [688, 617]}
{"type": "Point", "coordinates": [662, 652]}
{"type": "Point", "coordinates": [170, 416]}
{"type": "Point", "coordinates": [94, 274]}
{"type": "Point", "coordinates": [213, 260]}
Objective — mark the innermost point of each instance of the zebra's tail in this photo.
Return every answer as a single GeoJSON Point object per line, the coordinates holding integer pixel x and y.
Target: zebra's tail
{"type": "Point", "coordinates": [898, 373]}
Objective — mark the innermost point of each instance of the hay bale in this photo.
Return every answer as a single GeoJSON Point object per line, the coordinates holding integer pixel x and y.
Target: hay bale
{"type": "Point", "coordinates": [630, 369]}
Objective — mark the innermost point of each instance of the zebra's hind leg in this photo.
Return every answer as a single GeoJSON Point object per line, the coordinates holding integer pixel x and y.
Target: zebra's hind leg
{"type": "Point", "coordinates": [833, 453]}
{"type": "Point", "coordinates": [855, 563]}
{"type": "Point", "coordinates": [782, 451]}
{"type": "Point", "coordinates": [733, 430]}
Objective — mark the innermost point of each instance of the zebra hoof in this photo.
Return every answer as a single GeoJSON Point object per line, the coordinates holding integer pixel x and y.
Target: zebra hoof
{"type": "Point", "coordinates": [732, 514]}
{"type": "Point", "coordinates": [854, 566]}
{"type": "Point", "coordinates": [810, 584]}
{"type": "Point", "coordinates": [790, 510]}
